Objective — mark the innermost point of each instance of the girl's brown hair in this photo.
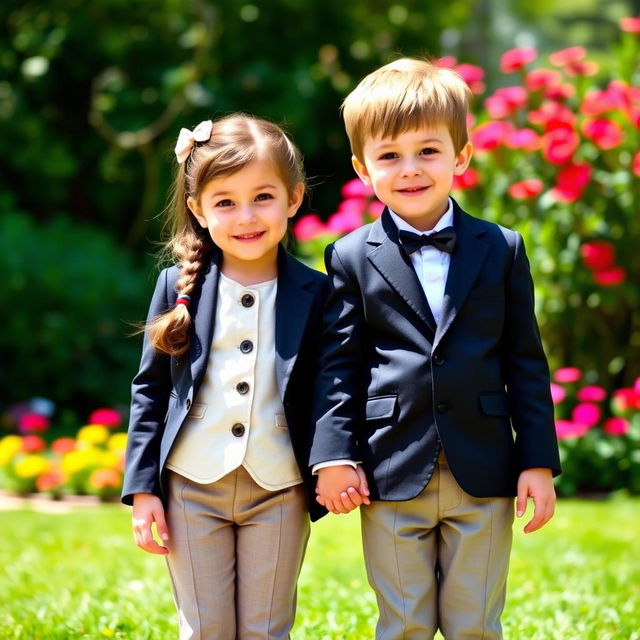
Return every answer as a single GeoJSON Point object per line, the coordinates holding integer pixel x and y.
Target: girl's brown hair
{"type": "Point", "coordinates": [235, 141]}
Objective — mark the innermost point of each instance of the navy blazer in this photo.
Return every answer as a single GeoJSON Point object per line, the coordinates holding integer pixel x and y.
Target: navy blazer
{"type": "Point", "coordinates": [165, 387]}
{"type": "Point", "coordinates": [393, 386]}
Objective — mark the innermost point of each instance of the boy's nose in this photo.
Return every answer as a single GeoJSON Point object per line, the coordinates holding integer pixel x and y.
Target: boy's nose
{"type": "Point", "coordinates": [410, 168]}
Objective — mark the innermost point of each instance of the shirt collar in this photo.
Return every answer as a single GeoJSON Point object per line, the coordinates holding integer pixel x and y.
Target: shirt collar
{"type": "Point", "coordinates": [446, 220]}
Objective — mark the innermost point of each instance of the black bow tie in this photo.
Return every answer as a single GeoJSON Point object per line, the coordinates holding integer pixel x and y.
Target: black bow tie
{"type": "Point", "coordinates": [444, 240]}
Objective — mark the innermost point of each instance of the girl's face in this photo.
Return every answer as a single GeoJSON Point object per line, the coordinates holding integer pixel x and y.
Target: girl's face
{"type": "Point", "coordinates": [246, 214]}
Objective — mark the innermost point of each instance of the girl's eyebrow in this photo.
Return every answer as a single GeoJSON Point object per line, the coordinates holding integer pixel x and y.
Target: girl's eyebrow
{"type": "Point", "coordinates": [222, 193]}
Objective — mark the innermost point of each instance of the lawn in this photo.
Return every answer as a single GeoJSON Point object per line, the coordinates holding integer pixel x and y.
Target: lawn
{"type": "Point", "coordinates": [78, 575]}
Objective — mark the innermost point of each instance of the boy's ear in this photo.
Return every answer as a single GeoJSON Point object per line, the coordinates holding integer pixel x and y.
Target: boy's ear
{"type": "Point", "coordinates": [463, 159]}
{"type": "Point", "coordinates": [295, 199]}
{"type": "Point", "coordinates": [194, 207]}
{"type": "Point", "coordinates": [361, 170]}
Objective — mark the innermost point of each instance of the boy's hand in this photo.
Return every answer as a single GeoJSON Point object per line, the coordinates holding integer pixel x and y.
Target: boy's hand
{"type": "Point", "coordinates": [147, 509]}
{"type": "Point", "coordinates": [536, 484]}
{"type": "Point", "coordinates": [341, 489]}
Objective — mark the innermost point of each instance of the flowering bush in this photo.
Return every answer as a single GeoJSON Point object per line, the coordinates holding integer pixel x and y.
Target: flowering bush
{"type": "Point", "coordinates": [90, 463]}
{"type": "Point", "coordinates": [599, 435]}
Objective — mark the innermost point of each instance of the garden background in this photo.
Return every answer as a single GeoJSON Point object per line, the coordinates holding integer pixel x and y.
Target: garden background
{"type": "Point", "coordinates": [92, 96]}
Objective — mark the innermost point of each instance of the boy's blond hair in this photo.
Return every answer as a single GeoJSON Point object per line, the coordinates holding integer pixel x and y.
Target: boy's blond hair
{"type": "Point", "coordinates": [405, 94]}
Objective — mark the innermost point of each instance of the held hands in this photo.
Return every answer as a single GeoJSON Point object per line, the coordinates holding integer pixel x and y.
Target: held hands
{"type": "Point", "coordinates": [147, 509]}
{"type": "Point", "coordinates": [538, 485]}
{"type": "Point", "coordinates": [341, 489]}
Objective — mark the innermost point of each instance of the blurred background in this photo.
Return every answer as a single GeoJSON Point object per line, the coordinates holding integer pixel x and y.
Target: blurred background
{"type": "Point", "coordinates": [93, 94]}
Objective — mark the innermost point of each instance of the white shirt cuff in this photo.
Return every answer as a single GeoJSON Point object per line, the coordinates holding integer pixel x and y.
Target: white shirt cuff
{"type": "Point", "coordinates": [333, 463]}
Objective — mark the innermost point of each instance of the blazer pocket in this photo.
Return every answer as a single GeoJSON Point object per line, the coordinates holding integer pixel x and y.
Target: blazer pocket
{"type": "Point", "coordinates": [198, 409]}
{"type": "Point", "coordinates": [486, 292]}
{"type": "Point", "coordinates": [494, 404]}
{"type": "Point", "coordinates": [381, 407]}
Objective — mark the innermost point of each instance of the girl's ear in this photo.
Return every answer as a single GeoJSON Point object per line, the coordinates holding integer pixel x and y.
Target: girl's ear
{"type": "Point", "coordinates": [463, 159]}
{"type": "Point", "coordinates": [361, 169]}
{"type": "Point", "coordinates": [194, 207]}
{"type": "Point", "coordinates": [295, 199]}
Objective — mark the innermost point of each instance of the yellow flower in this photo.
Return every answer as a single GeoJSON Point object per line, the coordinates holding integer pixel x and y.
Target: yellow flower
{"type": "Point", "coordinates": [109, 459]}
{"type": "Point", "coordinates": [9, 447]}
{"type": "Point", "coordinates": [117, 442]}
{"type": "Point", "coordinates": [75, 461]}
{"type": "Point", "coordinates": [93, 433]}
{"type": "Point", "coordinates": [31, 466]}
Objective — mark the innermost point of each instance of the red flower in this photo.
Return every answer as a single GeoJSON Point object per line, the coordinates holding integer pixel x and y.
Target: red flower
{"type": "Point", "coordinates": [636, 164]}
{"type": "Point", "coordinates": [571, 182]}
{"type": "Point", "coordinates": [610, 277]}
{"type": "Point", "coordinates": [308, 228]}
{"type": "Point", "coordinates": [489, 135]}
{"type": "Point", "coordinates": [616, 426]}
{"type": "Point", "coordinates": [525, 189]}
{"type": "Point", "coordinates": [567, 429]}
{"type": "Point", "coordinates": [469, 179]}
{"type": "Point", "coordinates": [515, 59]}
{"type": "Point", "coordinates": [106, 417]}
{"type": "Point", "coordinates": [559, 145]}
{"type": "Point", "coordinates": [473, 76]}
{"type": "Point", "coordinates": [625, 399]}
{"type": "Point", "coordinates": [586, 413]}
{"type": "Point", "coordinates": [567, 56]}
{"type": "Point", "coordinates": [356, 189]}
{"type": "Point", "coordinates": [592, 393]}
{"type": "Point", "coordinates": [606, 134]}
{"type": "Point", "coordinates": [60, 446]}
{"type": "Point", "coordinates": [567, 374]}
{"type": "Point", "coordinates": [526, 139]}
{"type": "Point", "coordinates": [50, 480]}
{"type": "Point", "coordinates": [597, 255]}
{"type": "Point", "coordinates": [29, 422]}
{"type": "Point", "coordinates": [33, 444]}
{"type": "Point", "coordinates": [630, 25]}
{"type": "Point", "coordinates": [553, 115]}
{"type": "Point", "coordinates": [540, 79]}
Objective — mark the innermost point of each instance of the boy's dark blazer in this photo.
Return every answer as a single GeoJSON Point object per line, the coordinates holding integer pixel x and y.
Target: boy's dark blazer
{"type": "Point", "coordinates": [165, 387]}
{"type": "Point", "coordinates": [391, 383]}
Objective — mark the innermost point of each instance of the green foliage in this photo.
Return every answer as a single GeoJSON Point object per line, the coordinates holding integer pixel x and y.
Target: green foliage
{"type": "Point", "coordinates": [70, 295]}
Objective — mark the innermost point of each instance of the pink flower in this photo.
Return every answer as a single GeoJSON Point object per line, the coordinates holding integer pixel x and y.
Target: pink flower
{"type": "Point", "coordinates": [630, 25]}
{"type": "Point", "coordinates": [447, 62]}
{"type": "Point", "coordinates": [597, 255]}
{"type": "Point", "coordinates": [526, 139]}
{"type": "Point", "coordinates": [596, 102]}
{"type": "Point", "coordinates": [515, 59]}
{"type": "Point", "coordinates": [582, 68]}
{"type": "Point", "coordinates": [353, 205]}
{"type": "Point", "coordinates": [610, 277]}
{"type": "Point", "coordinates": [29, 422]}
{"type": "Point", "coordinates": [616, 426]}
{"type": "Point", "coordinates": [559, 145]}
{"type": "Point", "coordinates": [540, 79]}
{"type": "Point", "coordinates": [558, 394]}
{"type": "Point", "coordinates": [345, 221]}
{"type": "Point", "coordinates": [61, 446]}
{"type": "Point", "coordinates": [606, 134]}
{"type": "Point", "coordinates": [636, 164]}
{"type": "Point", "coordinates": [525, 189]}
{"type": "Point", "coordinates": [571, 182]}
{"type": "Point", "coordinates": [636, 387]}
{"type": "Point", "coordinates": [105, 417]}
{"type": "Point", "coordinates": [469, 179]}
{"type": "Point", "coordinates": [560, 91]}
{"type": "Point", "coordinates": [33, 444]}
{"type": "Point", "coordinates": [473, 76]}
{"type": "Point", "coordinates": [586, 413]}
{"type": "Point", "coordinates": [567, 375]}
{"type": "Point", "coordinates": [308, 227]}
{"type": "Point", "coordinates": [567, 429]}
{"type": "Point", "coordinates": [356, 189]}
{"type": "Point", "coordinates": [490, 135]}
{"type": "Point", "coordinates": [376, 208]}
{"type": "Point", "coordinates": [553, 115]}
{"type": "Point", "coordinates": [506, 101]}
{"type": "Point", "coordinates": [567, 56]}
{"type": "Point", "coordinates": [591, 393]}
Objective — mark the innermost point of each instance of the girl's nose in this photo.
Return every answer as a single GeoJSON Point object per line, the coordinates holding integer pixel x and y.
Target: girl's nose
{"type": "Point", "coordinates": [246, 214]}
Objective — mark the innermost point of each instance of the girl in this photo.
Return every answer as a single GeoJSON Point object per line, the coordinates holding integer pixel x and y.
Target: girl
{"type": "Point", "coordinates": [220, 414]}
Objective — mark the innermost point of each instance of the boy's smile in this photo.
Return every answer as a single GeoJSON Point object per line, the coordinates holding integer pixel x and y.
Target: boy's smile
{"type": "Point", "coordinates": [412, 174]}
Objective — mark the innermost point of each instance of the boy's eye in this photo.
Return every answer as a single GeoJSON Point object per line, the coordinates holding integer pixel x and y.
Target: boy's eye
{"type": "Point", "coordinates": [427, 151]}
{"type": "Point", "coordinates": [264, 196]}
{"type": "Point", "coordinates": [389, 155]}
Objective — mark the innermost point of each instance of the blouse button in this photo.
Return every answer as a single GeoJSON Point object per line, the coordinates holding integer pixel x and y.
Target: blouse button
{"type": "Point", "coordinates": [246, 346]}
{"type": "Point", "coordinates": [237, 429]}
{"type": "Point", "coordinates": [242, 387]}
{"type": "Point", "coordinates": [247, 300]}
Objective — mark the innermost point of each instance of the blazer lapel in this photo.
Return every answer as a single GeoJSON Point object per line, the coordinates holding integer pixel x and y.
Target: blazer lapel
{"type": "Point", "coordinates": [466, 261]}
{"type": "Point", "coordinates": [395, 266]}
{"type": "Point", "coordinates": [204, 314]}
{"type": "Point", "coordinates": [293, 304]}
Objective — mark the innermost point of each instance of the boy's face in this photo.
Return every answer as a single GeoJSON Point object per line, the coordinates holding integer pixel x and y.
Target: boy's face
{"type": "Point", "coordinates": [413, 173]}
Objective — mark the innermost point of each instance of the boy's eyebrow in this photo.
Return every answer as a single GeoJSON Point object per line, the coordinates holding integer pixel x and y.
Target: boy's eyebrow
{"type": "Point", "coordinates": [392, 143]}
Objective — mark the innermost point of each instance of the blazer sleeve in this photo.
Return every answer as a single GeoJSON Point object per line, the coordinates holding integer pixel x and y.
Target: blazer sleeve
{"type": "Point", "coordinates": [150, 391]}
{"type": "Point", "coordinates": [338, 407]}
{"type": "Point", "coordinates": [527, 372]}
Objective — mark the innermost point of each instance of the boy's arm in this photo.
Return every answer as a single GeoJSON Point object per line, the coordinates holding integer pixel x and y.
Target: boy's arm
{"type": "Point", "coordinates": [536, 484]}
{"type": "Point", "coordinates": [527, 371]}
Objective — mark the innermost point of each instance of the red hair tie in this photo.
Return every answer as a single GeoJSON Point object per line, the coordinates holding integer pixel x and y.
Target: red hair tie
{"type": "Point", "coordinates": [183, 299]}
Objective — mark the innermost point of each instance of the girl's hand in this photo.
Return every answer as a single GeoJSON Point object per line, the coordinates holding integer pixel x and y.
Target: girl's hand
{"type": "Point", "coordinates": [538, 485]}
{"type": "Point", "coordinates": [147, 509]}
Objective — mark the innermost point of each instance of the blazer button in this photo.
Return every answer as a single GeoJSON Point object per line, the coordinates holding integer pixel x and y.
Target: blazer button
{"type": "Point", "coordinates": [188, 404]}
{"type": "Point", "coordinates": [441, 407]}
{"type": "Point", "coordinates": [242, 387]}
{"type": "Point", "coordinates": [437, 359]}
{"type": "Point", "coordinates": [238, 429]}
{"type": "Point", "coordinates": [246, 346]}
{"type": "Point", "coordinates": [247, 300]}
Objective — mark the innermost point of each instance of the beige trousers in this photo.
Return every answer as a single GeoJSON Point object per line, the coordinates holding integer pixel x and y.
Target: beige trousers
{"type": "Point", "coordinates": [236, 551]}
{"type": "Point", "coordinates": [439, 561]}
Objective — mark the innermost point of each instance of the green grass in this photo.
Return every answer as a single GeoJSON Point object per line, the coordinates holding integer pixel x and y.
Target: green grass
{"type": "Point", "coordinates": [79, 575]}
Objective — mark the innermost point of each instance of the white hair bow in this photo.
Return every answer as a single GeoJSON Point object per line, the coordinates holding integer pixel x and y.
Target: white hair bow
{"type": "Point", "coordinates": [186, 139]}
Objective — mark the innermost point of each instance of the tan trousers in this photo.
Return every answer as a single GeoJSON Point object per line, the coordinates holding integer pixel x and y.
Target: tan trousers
{"type": "Point", "coordinates": [236, 551]}
{"type": "Point", "coordinates": [439, 561]}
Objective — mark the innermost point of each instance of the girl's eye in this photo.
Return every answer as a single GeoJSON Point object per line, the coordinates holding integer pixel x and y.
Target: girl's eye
{"type": "Point", "coordinates": [224, 203]}
{"type": "Point", "coordinates": [264, 196]}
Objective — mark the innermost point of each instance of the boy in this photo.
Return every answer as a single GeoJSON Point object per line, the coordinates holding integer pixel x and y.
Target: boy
{"type": "Point", "coordinates": [434, 384]}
